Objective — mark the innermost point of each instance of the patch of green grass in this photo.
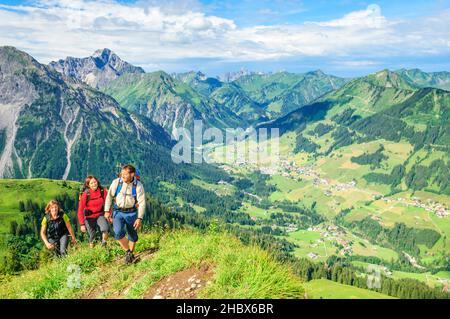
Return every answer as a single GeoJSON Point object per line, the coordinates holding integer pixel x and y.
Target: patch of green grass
{"type": "Point", "coordinates": [40, 190]}
{"type": "Point", "coordinates": [198, 209]}
{"type": "Point", "coordinates": [305, 235]}
{"type": "Point", "coordinates": [6, 218]}
{"type": "Point", "coordinates": [327, 289]}
{"type": "Point", "coordinates": [374, 250]}
{"type": "Point", "coordinates": [285, 184]}
{"type": "Point", "coordinates": [307, 242]}
{"type": "Point", "coordinates": [168, 185]}
{"type": "Point", "coordinates": [427, 277]}
{"type": "Point", "coordinates": [443, 274]}
{"type": "Point", "coordinates": [239, 271]}
{"type": "Point", "coordinates": [52, 280]}
{"type": "Point", "coordinates": [219, 189]}
{"type": "Point", "coordinates": [255, 211]}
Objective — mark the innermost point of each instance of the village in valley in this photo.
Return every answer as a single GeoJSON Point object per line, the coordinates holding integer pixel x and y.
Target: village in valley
{"type": "Point", "coordinates": [319, 242]}
{"type": "Point", "coordinates": [335, 236]}
{"type": "Point", "coordinates": [289, 169]}
{"type": "Point", "coordinates": [429, 205]}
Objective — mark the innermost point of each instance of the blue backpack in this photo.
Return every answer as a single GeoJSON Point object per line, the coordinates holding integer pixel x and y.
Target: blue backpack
{"type": "Point", "coordinates": [137, 178]}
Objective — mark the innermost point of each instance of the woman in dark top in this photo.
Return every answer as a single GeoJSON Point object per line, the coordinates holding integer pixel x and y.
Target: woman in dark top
{"type": "Point", "coordinates": [55, 229]}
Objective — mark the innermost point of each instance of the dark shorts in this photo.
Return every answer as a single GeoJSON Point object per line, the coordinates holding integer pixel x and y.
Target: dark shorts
{"type": "Point", "coordinates": [122, 221]}
{"type": "Point", "coordinates": [91, 226]}
{"type": "Point", "coordinates": [60, 245]}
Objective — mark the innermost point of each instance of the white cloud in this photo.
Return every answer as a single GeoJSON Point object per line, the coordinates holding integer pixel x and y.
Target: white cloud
{"type": "Point", "coordinates": [355, 63]}
{"type": "Point", "coordinates": [148, 32]}
{"type": "Point", "coordinates": [368, 18]}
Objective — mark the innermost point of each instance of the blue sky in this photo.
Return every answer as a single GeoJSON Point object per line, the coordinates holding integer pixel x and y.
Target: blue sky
{"type": "Point", "coordinates": [274, 12]}
{"type": "Point", "coordinates": [347, 38]}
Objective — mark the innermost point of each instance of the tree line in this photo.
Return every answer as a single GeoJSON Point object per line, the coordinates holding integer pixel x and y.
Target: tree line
{"type": "Point", "coordinates": [400, 237]}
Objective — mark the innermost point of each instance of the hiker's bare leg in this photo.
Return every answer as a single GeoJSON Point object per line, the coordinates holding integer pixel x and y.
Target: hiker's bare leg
{"type": "Point", "coordinates": [91, 245]}
{"type": "Point", "coordinates": [105, 236]}
{"type": "Point", "coordinates": [124, 243]}
{"type": "Point", "coordinates": [131, 244]}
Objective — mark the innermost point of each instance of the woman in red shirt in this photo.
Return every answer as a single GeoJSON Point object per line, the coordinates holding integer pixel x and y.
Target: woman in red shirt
{"type": "Point", "coordinates": [90, 210]}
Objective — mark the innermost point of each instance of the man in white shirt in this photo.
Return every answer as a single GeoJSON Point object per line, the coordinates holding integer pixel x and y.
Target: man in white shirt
{"type": "Point", "coordinates": [127, 196]}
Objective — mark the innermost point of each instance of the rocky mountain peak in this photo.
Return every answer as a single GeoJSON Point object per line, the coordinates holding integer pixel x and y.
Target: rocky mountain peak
{"type": "Point", "coordinates": [388, 79]}
{"type": "Point", "coordinates": [104, 57]}
{"type": "Point", "coordinates": [12, 58]}
{"type": "Point", "coordinates": [97, 70]}
{"type": "Point", "coordinates": [103, 53]}
{"type": "Point", "coordinates": [317, 73]}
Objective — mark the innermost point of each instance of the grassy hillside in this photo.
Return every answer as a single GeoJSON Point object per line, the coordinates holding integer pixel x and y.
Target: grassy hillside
{"type": "Point", "coordinates": [224, 268]}
{"type": "Point", "coordinates": [283, 92]}
{"type": "Point", "coordinates": [40, 190]}
{"type": "Point", "coordinates": [168, 101]}
{"type": "Point", "coordinates": [440, 80]}
{"type": "Point", "coordinates": [239, 102]}
{"type": "Point", "coordinates": [432, 280]}
{"type": "Point", "coordinates": [327, 289]}
{"type": "Point", "coordinates": [375, 151]}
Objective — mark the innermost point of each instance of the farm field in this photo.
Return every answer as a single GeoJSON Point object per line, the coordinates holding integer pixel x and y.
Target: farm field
{"type": "Point", "coordinates": [335, 183]}
{"type": "Point", "coordinates": [433, 280]}
{"type": "Point", "coordinates": [327, 289]}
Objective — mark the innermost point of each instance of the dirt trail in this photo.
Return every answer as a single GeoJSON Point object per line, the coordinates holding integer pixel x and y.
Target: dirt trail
{"type": "Point", "coordinates": [181, 285]}
{"type": "Point", "coordinates": [104, 288]}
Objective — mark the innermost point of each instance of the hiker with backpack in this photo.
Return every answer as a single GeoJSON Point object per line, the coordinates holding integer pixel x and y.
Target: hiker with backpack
{"type": "Point", "coordinates": [127, 196]}
{"type": "Point", "coordinates": [56, 228]}
{"type": "Point", "coordinates": [91, 210]}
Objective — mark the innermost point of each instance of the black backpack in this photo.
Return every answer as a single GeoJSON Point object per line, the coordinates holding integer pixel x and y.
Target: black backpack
{"type": "Point", "coordinates": [56, 228]}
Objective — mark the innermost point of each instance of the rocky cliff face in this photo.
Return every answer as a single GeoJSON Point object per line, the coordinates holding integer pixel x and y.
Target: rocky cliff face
{"type": "Point", "coordinates": [52, 126]}
{"type": "Point", "coordinates": [96, 70]}
{"type": "Point", "coordinates": [229, 77]}
{"type": "Point", "coordinates": [15, 92]}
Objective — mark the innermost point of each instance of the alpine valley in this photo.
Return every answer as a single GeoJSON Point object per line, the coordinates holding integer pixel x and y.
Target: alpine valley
{"type": "Point", "coordinates": [362, 184]}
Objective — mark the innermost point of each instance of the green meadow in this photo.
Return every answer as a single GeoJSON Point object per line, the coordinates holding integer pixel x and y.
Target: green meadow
{"type": "Point", "coordinates": [327, 289]}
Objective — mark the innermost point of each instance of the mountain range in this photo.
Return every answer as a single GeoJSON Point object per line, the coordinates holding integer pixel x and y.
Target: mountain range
{"type": "Point", "coordinates": [416, 77]}
{"type": "Point", "coordinates": [363, 175]}
{"type": "Point", "coordinates": [53, 126]}
{"type": "Point", "coordinates": [238, 100]}
{"type": "Point", "coordinates": [259, 96]}
{"type": "Point", "coordinates": [383, 106]}
{"type": "Point", "coordinates": [169, 102]}
{"type": "Point", "coordinates": [61, 120]}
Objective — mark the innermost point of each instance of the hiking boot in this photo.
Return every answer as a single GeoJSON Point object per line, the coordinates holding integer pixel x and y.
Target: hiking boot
{"type": "Point", "coordinates": [104, 243]}
{"type": "Point", "coordinates": [129, 258]}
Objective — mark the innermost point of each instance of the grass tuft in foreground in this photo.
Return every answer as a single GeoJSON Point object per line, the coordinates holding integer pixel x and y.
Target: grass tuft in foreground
{"type": "Point", "coordinates": [239, 271]}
